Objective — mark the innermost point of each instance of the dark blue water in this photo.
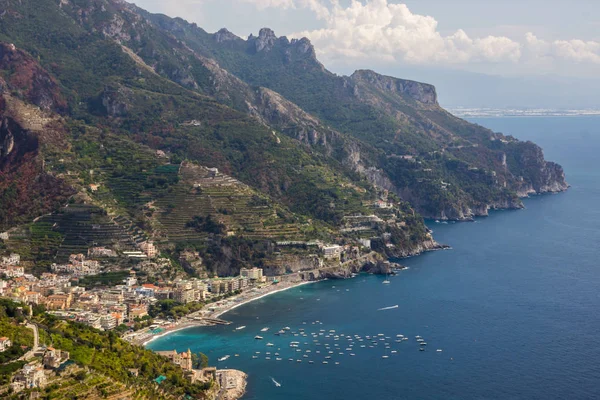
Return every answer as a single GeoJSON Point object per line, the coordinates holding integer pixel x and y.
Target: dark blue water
{"type": "Point", "coordinates": [515, 305]}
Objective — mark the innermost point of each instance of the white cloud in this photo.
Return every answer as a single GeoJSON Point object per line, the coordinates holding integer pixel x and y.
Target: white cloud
{"type": "Point", "coordinates": [568, 50]}
{"type": "Point", "coordinates": [377, 29]}
{"type": "Point", "coordinates": [262, 4]}
{"type": "Point", "coordinates": [384, 31]}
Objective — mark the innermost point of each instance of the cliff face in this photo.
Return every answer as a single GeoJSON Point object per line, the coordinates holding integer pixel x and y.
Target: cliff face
{"type": "Point", "coordinates": [26, 190]}
{"type": "Point", "coordinates": [29, 81]}
{"type": "Point", "coordinates": [421, 92]}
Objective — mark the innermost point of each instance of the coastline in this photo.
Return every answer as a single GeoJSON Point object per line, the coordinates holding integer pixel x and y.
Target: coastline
{"type": "Point", "coordinates": [224, 307]}
{"type": "Point", "coordinates": [225, 311]}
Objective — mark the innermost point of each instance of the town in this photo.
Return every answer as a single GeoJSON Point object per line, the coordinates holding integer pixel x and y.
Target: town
{"type": "Point", "coordinates": [140, 310]}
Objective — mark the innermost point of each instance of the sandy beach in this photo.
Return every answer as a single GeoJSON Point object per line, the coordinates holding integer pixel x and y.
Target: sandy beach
{"type": "Point", "coordinates": [214, 311]}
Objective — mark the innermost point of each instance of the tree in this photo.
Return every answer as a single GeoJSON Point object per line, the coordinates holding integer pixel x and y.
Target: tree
{"type": "Point", "coordinates": [199, 361]}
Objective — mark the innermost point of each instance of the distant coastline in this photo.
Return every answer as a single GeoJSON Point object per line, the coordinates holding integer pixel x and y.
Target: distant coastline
{"type": "Point", "coordinates": [469, 112]}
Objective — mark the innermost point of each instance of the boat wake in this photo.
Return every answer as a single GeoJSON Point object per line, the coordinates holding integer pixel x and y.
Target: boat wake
{"type": "Point", "coordinates": [387, 308]}
{"type": "Point", "coordinates": [275, 382]}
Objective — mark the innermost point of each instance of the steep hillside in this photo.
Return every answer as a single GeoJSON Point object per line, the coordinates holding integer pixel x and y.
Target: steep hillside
{"type": "Point", "coordinates": [455, 170]}
{"type": "Point", "coordinates": [115, 116]}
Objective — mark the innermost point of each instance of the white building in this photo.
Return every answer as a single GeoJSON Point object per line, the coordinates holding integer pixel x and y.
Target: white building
{"type": "Point", "coordinates": [5, 343]}
{"type": "Point", "coordinates": [13, 259]}
{"type": "Point", "coordinates": [332, 251]}
{"type": "Point", "coordinates": [149, 249]}
{"type": "Point", "coordinates": [255, 274]}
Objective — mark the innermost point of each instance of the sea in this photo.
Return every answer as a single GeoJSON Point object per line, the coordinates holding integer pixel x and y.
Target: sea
{"type": "Point", "coordinates": [512, 311]}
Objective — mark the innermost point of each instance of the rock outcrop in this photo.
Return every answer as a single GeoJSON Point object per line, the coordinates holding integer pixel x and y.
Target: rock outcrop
{"type": "Point", "coordinates": [421, 92]}
{"type": "Point", "coordinates": [27, 80]}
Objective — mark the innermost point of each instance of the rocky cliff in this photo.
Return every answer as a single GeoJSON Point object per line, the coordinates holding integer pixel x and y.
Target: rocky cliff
{"type": "Point", "coordinates": [421, 92]}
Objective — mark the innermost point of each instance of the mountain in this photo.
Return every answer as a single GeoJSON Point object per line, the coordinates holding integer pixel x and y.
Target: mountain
{"type": "Point", "coordinates": [148, 126]}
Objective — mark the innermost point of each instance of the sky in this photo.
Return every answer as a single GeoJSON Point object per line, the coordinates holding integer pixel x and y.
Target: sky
{"type": "Point", "coordinates": [487, 53]}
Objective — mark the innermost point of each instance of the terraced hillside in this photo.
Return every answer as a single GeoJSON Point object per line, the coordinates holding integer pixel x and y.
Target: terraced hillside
{"type": "Point", "coordinates": [203, 191]}
{"type": "Point", "coordinates": [71, 230]}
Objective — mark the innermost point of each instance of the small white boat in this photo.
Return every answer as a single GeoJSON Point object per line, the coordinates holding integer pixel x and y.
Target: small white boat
{"type": "Point", "coordinates": [439, 350]}
{"type": "Point", "coordinates": [270, 344]}
{"type": "Point", "coordinates": [264, 329]}
{"type": "Point", "coordinates": [258, 337]}
{"type": "Point", "coordinates": [224, 357]}
{"type": "Point", "coordinates": [277, 384]}
{"type": "Point", "coordinates": [239, 328]}
{"type": "Point", "coordinates": [385, 356]}
{"type": "Point", "coordinates": [254, 356]}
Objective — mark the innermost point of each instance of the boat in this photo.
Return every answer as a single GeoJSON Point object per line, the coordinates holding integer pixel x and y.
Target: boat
{"type": "Point", "coordinates": [254, 356]}
{"type": "Point", "coordinates": [264, 329]}
{"type": "Point", "coordinates": [423, 344]}
{"type": "Point", "coordinates": [387, 280]}
{"type": "Point", "coordinates": [388, 308]}
{"type": "Point", "coordinates": [258, 337]}
{"type": "Point", "coordinates": [224, 358]}
{"type": "Point", "coordinates": [270, 344]}
{"type": "Point", "coordinates": [385, 356]}
{"type": "Point", "coordinates": [422, 349]}
{"type": "Point", "coordinates": [277, 384]}
{"type": "Point", "coordinates": [439, 350]}
{"type": "Point", "coordinates": [239, 328]}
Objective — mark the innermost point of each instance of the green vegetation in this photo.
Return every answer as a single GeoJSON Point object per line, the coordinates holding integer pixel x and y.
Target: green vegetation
{"type": "Point", "coordinates": [107, 354]}
{"type": "Point", "coordinates": [104, 279]}
{"type": "Point", "coordinates": [202, 224]}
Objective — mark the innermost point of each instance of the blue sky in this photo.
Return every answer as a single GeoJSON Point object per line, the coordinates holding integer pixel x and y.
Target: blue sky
{"type": "Point", "coordinates": [542, 44]}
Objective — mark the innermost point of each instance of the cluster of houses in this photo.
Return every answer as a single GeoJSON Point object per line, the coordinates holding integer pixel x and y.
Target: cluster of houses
{"type": "Point", "coordinates": [108, 307]}
{"type": "Point", "coordinates": [35, 374]}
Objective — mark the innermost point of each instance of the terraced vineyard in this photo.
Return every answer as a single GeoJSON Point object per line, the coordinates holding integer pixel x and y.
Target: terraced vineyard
{"type": "Point", "coordinates": [72, 230]}
{"type": "Point", "coordinates": [202, 191]}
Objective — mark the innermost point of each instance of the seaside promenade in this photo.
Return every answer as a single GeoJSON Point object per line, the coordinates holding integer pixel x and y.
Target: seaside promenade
{"type": "Point", "coordinates": [211, 313]}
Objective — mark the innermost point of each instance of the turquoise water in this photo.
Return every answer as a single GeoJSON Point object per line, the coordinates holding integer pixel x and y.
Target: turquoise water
{"type": "Point", "coordinates": [514, 305]}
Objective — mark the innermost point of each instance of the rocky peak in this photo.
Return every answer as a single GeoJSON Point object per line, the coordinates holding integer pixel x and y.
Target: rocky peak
{"type": "Point", "coordinates": [265, 41]}
{"type": "Point", "coordinates": [421, 92]}
{"type": "Point", "coordinates": [304, 46]}
{"type": "Point", "coordinates": [224, 35]}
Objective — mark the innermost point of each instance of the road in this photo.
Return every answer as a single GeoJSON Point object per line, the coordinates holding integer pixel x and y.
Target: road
{"type": "Point", "coordinates": [36, 342]}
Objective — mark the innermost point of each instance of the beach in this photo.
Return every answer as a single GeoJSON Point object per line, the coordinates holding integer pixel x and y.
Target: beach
{"type": "Point", "coordinates": [210, 315]}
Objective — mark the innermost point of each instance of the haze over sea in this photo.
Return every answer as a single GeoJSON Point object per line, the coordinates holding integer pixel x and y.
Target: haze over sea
{"type": "Point", "coordinates": [515, 305]}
